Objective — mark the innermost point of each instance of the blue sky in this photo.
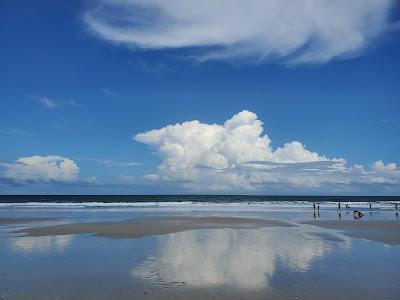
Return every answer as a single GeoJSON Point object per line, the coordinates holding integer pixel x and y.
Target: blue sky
{"type": "Point", "coordinates": [79, 80]}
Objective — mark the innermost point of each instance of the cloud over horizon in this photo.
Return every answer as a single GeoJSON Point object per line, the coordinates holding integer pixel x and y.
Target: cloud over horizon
{"type": "Point", "coordinates": [234, 157]}
{"type": "Point", "coordinates": [238, 156]}
{"type": "Point", "coordinates": [304, 31]}
{"type": "Point", "coordinates": [41, 169]}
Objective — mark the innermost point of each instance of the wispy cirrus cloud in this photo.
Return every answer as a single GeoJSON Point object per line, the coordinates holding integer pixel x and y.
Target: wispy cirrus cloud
{"type": "Point", "coordinates": [303, 31]}
{"type": "Point", "coordinates": [52, 103]}
{"type": "Point", "coordinates": [13, 131]}
{"type": "Point", "coordinates": [113, 163]}
{"type": "Point", "coordinates": [108, 92]}
{"type": "Point", "coordinates": [46, 102]}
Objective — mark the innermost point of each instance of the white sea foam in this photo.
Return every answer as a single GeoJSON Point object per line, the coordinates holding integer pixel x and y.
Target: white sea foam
{"type": "Point", "coordinates": [193, 205]}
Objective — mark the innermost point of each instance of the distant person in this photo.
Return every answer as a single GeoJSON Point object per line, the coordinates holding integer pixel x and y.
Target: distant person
{"type": "Point", "coordinates": [347, 206]}
{"type": "Point", "coordinates": [395, 206]}
{"type": "Point", "coordinates": [314, 206]}
{"type": "Point", "coordinates": [357, 214]}
{"type": "Point", "coordinates": [318, 207]}
{"type": "Point", "coordinates": [370, 205]}
{"type": "Point", "coordinates": [338, 206]}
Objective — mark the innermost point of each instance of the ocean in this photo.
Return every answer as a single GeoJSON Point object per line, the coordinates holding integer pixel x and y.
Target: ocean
{"type": "Point", "coordinates": [198, 201]}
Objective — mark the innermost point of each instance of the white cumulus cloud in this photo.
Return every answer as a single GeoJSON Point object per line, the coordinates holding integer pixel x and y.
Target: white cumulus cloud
{"type": "Point", "coordinates": [381, 167]}
{"type": "Point", "coordinates": [302, 31]}
{"type": "Point", "coordinates": [238, 155]}
{"type": "Point", "coordinates": [239, 140]}
{"type": "Point", "coordinates": [42, 168]}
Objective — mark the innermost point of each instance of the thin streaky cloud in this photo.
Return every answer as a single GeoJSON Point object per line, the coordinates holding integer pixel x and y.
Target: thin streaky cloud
{"type": "Point", "coordinates": [305, 31]}
{"type": "Point", "coordinates": [46, 102]}
{"type": "Point", "coordinates": [13, 131]}
{"type": "Point", "coordinates": [108, 92]}
{"type": "Point", "coordinates": [389, 121]}
{"type": "Point", "coordinates": [52, 103]}
{"type": "Point", "coordinates": [113, 163]}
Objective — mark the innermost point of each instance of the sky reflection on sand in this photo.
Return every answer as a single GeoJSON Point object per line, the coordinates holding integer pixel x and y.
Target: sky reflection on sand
{"type": "Point", "coordinates": [40, 244]}
{"type": "Point", "coordinates": [241, 259]}
{"type": "Point", "coordinates": [257, 263]}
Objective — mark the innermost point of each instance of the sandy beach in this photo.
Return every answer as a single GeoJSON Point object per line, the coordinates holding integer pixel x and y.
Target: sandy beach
{"type": "Point", "coordinates": [136, 228]}
{"type": "Point", "coordinates": [197, 252]}
{"type": "Point", "coordinates": [387, 232]}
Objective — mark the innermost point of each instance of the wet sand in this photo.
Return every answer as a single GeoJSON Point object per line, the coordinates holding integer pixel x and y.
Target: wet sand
{"type": "Point", "coordinates": [276, 259]}
{"type": "Point", "coordinates": [387, 232]}
{"type": "Point", "coordinates": [140, 227]}
{"type": "Point", "coordinates": [21, 220]}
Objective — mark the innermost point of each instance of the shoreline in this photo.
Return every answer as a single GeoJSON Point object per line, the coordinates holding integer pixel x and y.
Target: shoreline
{"type": "Point", "coordinates": [387, 232]}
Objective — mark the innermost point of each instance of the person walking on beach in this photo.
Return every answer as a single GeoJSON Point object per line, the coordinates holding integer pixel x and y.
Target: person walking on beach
{"type": "Point", "coordinates": [314, 206]}
{"type": "Point", "coordinates": [338, 206]}
{"type": "Point", "coordinates": [395, 206]}
{"type": "Point", "coordinates": [370, 205]}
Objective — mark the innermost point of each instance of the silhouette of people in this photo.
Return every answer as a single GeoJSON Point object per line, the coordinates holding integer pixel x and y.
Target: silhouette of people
{"type": "Point", "coordinates": [370, 205]}
{"type": "Point", "coordinates": [395, 206]}
{"type": "Point", "coordinates": [313, 205]}
{"type": "Point", "coordinates": [338, 206]}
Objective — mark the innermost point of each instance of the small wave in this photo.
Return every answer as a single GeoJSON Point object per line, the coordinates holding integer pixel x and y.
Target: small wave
{"type": "Point", "coordinates": [261, 205]}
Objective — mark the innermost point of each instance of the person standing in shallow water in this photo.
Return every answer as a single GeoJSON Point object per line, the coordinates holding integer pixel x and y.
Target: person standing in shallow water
{"type": "Point", "coordinates": [339, 211]}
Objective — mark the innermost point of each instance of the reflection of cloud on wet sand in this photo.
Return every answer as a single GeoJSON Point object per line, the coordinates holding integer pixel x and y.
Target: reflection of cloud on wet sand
{"type": "Point", "coordinates": [245, 259]}
{"type": "Point", "coordinates": [29, 244]}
